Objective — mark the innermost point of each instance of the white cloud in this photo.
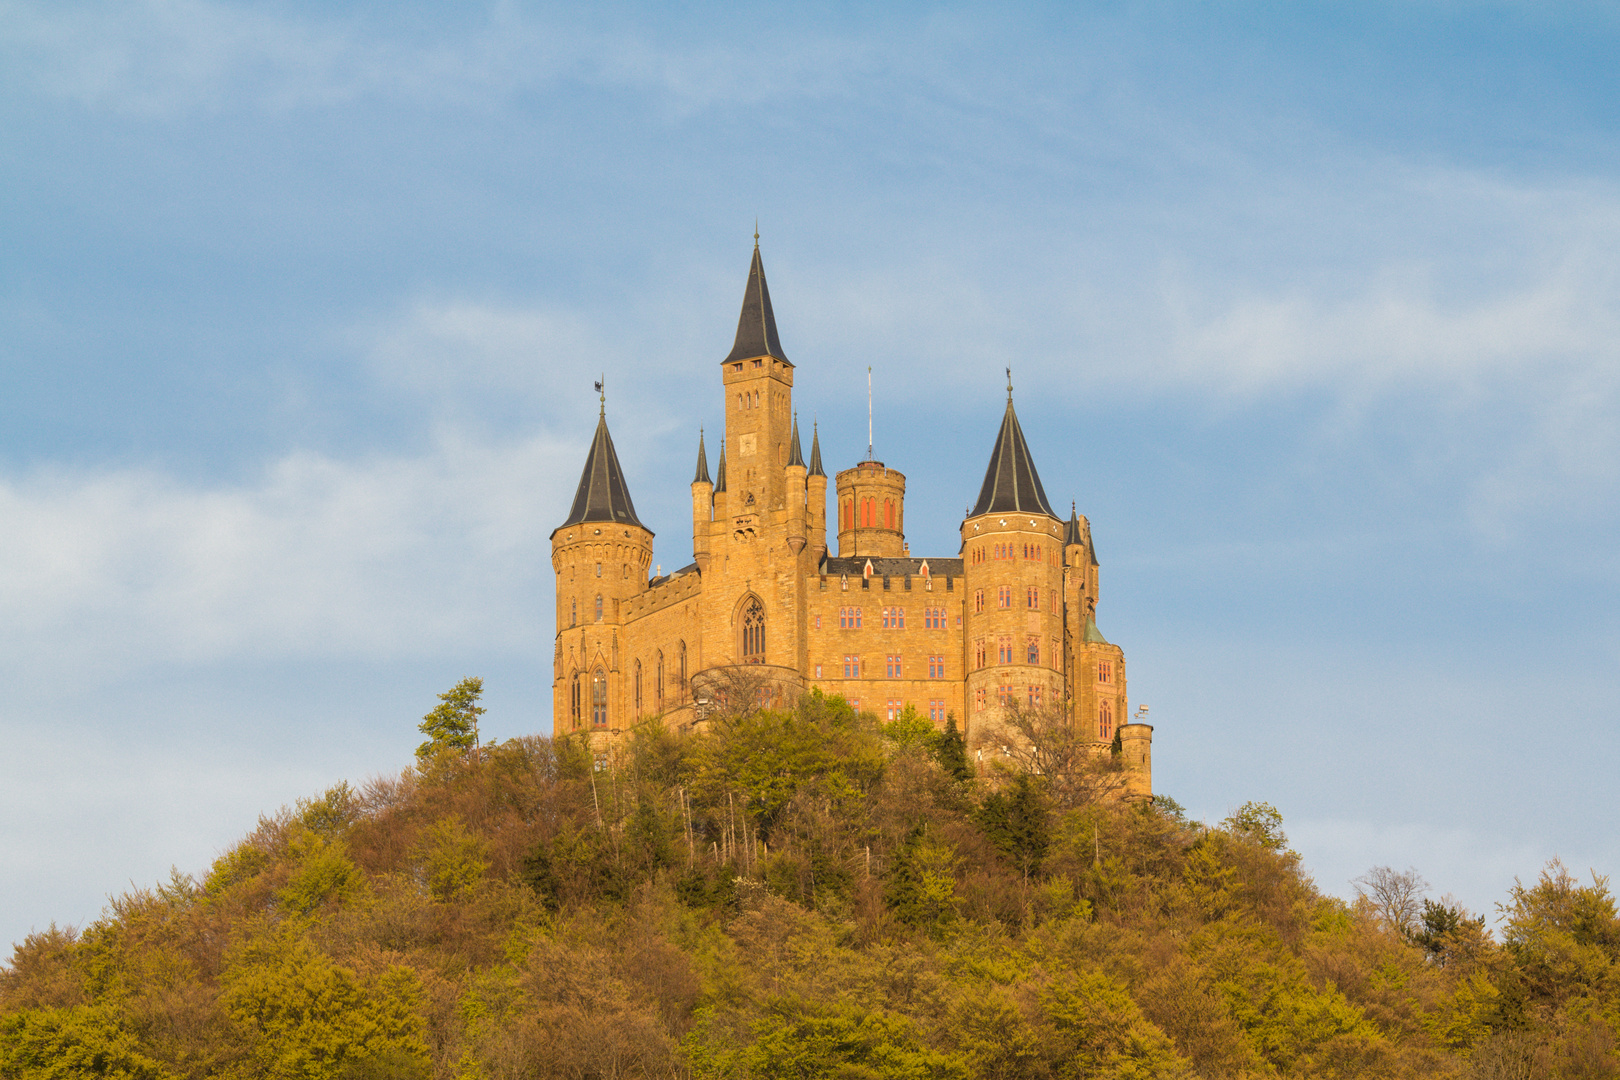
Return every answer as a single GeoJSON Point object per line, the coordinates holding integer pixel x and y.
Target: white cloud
{"type": "Point", "coordinates": [378, 558]}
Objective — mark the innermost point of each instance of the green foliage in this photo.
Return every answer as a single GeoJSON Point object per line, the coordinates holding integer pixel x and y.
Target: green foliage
{"type": "Point", "coordinates": [452, 860]}
{"type": "Point", "coordinates": [67, 1044]}
{"type": "Point", "coordinates": [321, 873]}
{"type": "Point", "coordinates": [305, 1018]}
{"type": "Point", "coordinates": [1017, 823]}
{"type": "Point", "coordinates": [837, 1041]}
{"type": "Point", "coordinates": [921, 885]}
{"type": "Point", "coordinates": [1260, 823]}
{"type": "Point", "coordinates": [453, 724]}
{"type": "Point", "coordinates": [951, 751]}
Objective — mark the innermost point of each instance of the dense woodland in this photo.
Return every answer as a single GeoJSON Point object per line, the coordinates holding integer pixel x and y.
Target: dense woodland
{"type": "Point", "coordinates": [800, 893]}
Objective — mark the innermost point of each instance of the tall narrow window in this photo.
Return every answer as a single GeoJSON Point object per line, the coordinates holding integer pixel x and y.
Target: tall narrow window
{"type": "Point", "coordinates": [1003, 595]}
{"type": "Point", "coordinates": [598, 607]}
{"type": "Point", "coordinates": [1005, 650]}
{"type": "Point", "coordinates": [978, 654]}
{"type": "Point", "coordinates": [1105, 671]}
{"type": "Point", "coordinates": [636, 686]}
{"type": "Point", "coordinates": [658, 681]}
{"type": "Point", "coordinates": [680, 668]}
{"type": "Point", "coordinates": [573, 612]}
{"type": "Point", "coordinates": [1105, 720]}
{"type": "Point", "coordinates": [753, 632]}
{"type": "Point", "coordinates": [1033, 599]}
{"type": "Point", "coordinates": [599, 698]}
{"type": "Point", "coordinates": [1033, 652]}
{"type": "Point", "coordinates": [978, 600]}
{"type": "Point", "coordinates": [888, 513]}
{"type": "Point", "coordinates": [575, 703]}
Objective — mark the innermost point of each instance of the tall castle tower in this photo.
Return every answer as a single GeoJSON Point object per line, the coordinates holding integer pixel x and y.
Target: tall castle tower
{"type": "Point", "coordinates": [767, 605]}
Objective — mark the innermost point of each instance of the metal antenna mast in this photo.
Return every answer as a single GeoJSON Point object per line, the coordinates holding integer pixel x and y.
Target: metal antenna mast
{"type": "Point", "coordinates": [869, 412]}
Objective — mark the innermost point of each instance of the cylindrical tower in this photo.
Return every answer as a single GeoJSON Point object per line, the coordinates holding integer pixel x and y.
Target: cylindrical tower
{"type": "Point", "coordinates": [871, 511]}
{"type": "Point", "coordinates": [1013, 623]}
{"type": "Point", "coordinates": [702, 509]}
{"type": "Point", "coordinates": [816, 501]}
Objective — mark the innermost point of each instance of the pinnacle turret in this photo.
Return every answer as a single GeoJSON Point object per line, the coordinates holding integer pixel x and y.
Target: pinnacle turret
{"type": "Point", "coordinates": [720, 472]}
{"type": "Point", "coordinates": [815, 452]}
{"type": "Point", "coordinates": [795, 455]}
{"type": "Point", "coordinates": [702, 476]}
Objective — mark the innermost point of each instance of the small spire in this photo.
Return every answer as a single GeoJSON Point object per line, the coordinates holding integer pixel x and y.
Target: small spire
{"type": "Point", "coordinates": [601, 390]}
{"type": "Point", "coordinates": [1009, 383]}
{"type": "Point", "coordinates": [602, 494]}
{"type": "Point", "coordinates": [815, 451]}
{"type": "Point", "coordinates": [1071, 532]}
{"type": "Point", "coordinates": [795, 455]}
{"type": "Point", "coordinates": [702, 476]}
{"type": "Point", "coordinates": [720, 473]}
{"type": "Point", "coordinates": [756, 231]}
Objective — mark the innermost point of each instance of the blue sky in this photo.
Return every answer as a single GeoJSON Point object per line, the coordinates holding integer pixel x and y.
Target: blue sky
{"type": "Point", "coordinates": [1313, 309]}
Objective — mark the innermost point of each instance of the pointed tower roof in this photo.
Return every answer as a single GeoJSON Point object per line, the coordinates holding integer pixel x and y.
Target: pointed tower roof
{"type": "Point", "coordinates": [702, 476]}
{"type": "Point", "coordinates": [1011, 482]}
{"type": "Point", "coordinates": [795, 455]}
{"type": "Point", "coordinates": [1071, 532]}
{"type": "Point", "coordinates": [815, 452]}
{"type": "Point", "coordinates": [602, 495]}
{"type": "Point", "coordinates": [756, 326]}
{"type": "Point", "coordinates": [720, 472]}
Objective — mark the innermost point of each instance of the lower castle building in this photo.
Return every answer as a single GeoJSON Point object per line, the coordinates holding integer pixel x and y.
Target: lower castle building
{"type": "Point", "coordinates": [767, 604]}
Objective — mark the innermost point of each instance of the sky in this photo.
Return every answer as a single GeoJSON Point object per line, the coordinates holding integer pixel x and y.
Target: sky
{"type": "Point", "coordinates": [1314, 310]}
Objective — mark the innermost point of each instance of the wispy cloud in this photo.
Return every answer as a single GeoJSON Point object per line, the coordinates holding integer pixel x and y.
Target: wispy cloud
{"type": "Point", "coordinates": [377, 558]}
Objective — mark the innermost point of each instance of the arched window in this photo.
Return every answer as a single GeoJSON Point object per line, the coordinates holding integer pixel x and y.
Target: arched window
{"type": "Point", "coordinates": [599, 698]}
{"type": "Point", "coordinates": [598, 607]}
{"type": "Point", "coordinates": [573, 611]}
{"type": "Point", "coordinates": [888, 513]}
{"type": "Point", "coordinates": [658, 681]}
{"type": "Point", "coordinates": [574, 703]}
{"type": "Point", "coordinates": [637, 687]}
{"type": "Point", "coordinates": [1105, 720]}
{"type": "Point", "coordinates": [680, 668]}
{"type": "Point", "coordinates": [753, 632]}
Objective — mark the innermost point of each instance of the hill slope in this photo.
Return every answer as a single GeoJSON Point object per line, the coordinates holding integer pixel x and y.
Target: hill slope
{"type": "Point", "coordinates": [799, 894]}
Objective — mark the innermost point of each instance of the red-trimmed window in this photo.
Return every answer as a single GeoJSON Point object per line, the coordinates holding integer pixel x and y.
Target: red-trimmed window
{"type": "Point", "coordinates": [893, 666]}
{"type": "Point", "coordinates": [852, 667]}
{"type": "Point", "coordinates": [1005, 650]}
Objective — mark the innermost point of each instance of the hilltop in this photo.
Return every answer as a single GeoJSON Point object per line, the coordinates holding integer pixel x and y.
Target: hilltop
{"type": "Point", "coordinates": [803, 893]}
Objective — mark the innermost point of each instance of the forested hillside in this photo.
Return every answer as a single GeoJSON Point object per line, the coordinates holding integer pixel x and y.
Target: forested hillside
{"type": "Point", "coordinates": [796, 894]}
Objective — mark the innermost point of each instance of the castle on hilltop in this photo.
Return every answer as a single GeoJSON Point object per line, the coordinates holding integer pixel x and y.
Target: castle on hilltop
{"type": "Point", "coordinates": [1012, 616]}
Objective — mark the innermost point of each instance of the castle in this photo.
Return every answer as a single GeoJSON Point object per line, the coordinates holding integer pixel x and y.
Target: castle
{"type": "Point", "coordinates": [1012, 616]}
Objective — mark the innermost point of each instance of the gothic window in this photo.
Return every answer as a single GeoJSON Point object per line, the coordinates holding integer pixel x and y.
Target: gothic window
{"type": "Point", "coordinates": [753, 632]}
{"type": "Point", "coordinates": [574, 705]}
{"type": "Point", "coordinates": [1033, 652]}
{"type": "Point", "coordinates": [888, 513]}
{"type": "Point", "coordinates": [598, 698]}
{"type": "Point", "coordinates": [1105, 720]}
{"type": "Point", "coordinates": [978, 654]}
{"type": "Point", "coordinates": [680, 667]}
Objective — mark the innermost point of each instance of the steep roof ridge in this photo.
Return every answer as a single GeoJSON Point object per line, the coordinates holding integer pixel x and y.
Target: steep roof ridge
{"type": "Point", "coordinates": [815, 451]}
{"type": "Point", "coordinates": [602, 494]}
{"type": "Point", "coordinates": [1011, 483]}
{"type": "Point", "coordinates": [756, 325]}
{"type": "Point", "coordinates": [795, 455]}
{"type": "Point", "coordinates": [702, 476]}
{"type": "Point", "coordinates": [720, 470]}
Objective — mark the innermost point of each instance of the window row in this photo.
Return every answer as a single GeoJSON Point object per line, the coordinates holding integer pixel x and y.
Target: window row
{"type": "Point", "coordinates": [893, 666]}
{"type": "Point", "coordinates": [1007, 651]}
{"type": "Point", "coordinates": [893, 618]}
{"type": "Point", "coordinates": [1014, 550]}
{"type": "Point", "coordinates": [1004, 598]}
{"type": "Point", "coordinates": [868, 513]}
{"type": "Point", "coordinates": [1007, 694]}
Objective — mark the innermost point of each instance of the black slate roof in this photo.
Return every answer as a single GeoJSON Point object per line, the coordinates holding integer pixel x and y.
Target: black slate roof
{"type": "Point", "coordinates": [602, 495]}
{"type": "Point", "coordinates": [815, 452]}
{"type": "Point", "coordinates": [756, 326]}
{"type": "Point", "coordinates": [795, 455]}
{"type": "Point", "coordinates": [702, 476]}
{"type": "Point", "coordinates": [855, 566]}
{"type": "Point", "coordinates": [1011, 483]}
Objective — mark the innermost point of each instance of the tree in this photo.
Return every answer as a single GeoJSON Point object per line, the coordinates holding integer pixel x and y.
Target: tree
{"type": "Point", "coordinates": [1042, 742]}
{"type": "Point", "coordinates": [1260, 823]}
{"type": "Point", "coordinates": [1015, 821]}
{"type": "Point", "coordinates": [454, 723]}
{"type": "Point", "coordinates": [951, 751]}
{"type": "Point", "coordinates": [1397, 896]}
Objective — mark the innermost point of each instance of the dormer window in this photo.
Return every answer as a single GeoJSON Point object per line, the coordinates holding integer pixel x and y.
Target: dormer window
{"type": "Point", "coordinates": [759, 363]}
{"type": "Point", "coordinates": [736, 367]}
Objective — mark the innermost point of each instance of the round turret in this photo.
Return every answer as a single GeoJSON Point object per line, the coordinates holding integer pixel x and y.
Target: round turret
{"type": "Point", "coordinates": [871, 511]}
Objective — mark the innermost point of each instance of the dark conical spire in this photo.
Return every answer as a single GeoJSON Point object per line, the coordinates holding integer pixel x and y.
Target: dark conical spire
{"type": "Point", "coordinates": [815, 452]}
{"type": "Point", "coordinates": [1011, 482]}
{"type": "Point", "coordinates": [720, 473]}
{"type": "Point", "coordinates": [756, 326]}
{"type": "Point", "coordinates": [795, 455]}
{"type": "Point", "coordinates": [1071, 534]}
{"type": "Point", "coordinates": [602, 495]}
{"type": "Point", "coordinates": [702, 476]}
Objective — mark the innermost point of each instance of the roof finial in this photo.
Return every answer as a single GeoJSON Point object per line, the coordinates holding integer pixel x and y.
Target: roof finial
{"type": "Point", "coordinates": [756, 231]}
{"type": "Point", "coordinates": [868, 412]}
{"type": "Point", "coordinates": [1009, 384]}
{"type": "Point", "coordinates": [601, 385]}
